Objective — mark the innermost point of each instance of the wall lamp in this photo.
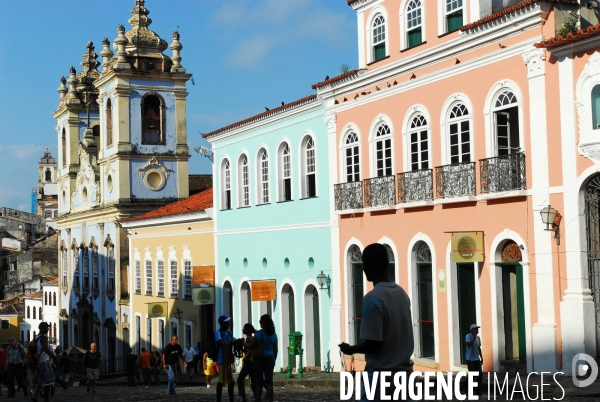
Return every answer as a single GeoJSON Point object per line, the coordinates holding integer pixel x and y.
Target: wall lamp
{"type": "Point", "coordinates": [551, 217]}
{"type": "Point", "coordinates": [325, 283]}
{"type": "Point", "coordinates": [178, 314]}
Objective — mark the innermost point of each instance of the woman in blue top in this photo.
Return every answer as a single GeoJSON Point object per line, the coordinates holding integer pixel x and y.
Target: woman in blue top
{"type": "Point", "coordinates": [264, 365]}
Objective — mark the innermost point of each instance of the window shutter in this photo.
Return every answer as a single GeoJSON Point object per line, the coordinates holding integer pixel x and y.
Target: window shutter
{"type": "Point", "coordinates": [454, 20]}
{"type": "Point", "coordinates": [414, 37]}
{"type": "Point", "coordinates": [379, 51]}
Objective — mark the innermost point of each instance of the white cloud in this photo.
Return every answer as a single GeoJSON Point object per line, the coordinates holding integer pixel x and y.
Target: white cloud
{"type": "Point", "coordinates": [249, 52]}
{"type": "Point", "coordinates": [21, 151]}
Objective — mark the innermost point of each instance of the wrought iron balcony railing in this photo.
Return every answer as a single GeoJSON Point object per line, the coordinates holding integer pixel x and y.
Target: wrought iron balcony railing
{"type": "Point", "coordinates": [348, 195]}
{"type": "Point", "coordinates": [380, 191]}
{"type": "Point", "coordinates": [457, 180]}
{"type": "Point", "coordinates": [502, 173]}
{"type": "Point", "coordinates": [415, 186]}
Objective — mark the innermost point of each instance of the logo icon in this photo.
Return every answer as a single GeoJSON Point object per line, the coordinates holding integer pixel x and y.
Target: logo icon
{"type": "Point", "coordinates": [584, 365]}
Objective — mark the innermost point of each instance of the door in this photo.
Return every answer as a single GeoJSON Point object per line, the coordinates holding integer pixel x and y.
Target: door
{"type": "Point", "coordinates": [467, 313]}
{"type": "Point", "coordinates": [357, 298]}
{"type": "Point", "coordinates": [592, 217]}
{"type": "Point", "coordinates": [514, 312]}
{"type": "Point", "coordinates": [317, 328]}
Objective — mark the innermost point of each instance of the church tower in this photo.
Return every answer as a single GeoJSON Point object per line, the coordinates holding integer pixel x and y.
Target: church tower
{"type": "Point", "coordinates": [123, 151]}
{"type": "Point", "coordinates": [47, 190]}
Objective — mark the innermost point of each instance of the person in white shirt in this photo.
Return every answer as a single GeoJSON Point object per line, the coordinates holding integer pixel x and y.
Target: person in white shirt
{"type": "Point", "coordinates": [188, 355]}
{"type": "Point", "coordinates": [473, 354]}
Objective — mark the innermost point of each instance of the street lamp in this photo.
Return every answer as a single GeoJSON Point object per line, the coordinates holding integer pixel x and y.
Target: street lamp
{"type": "Point", "coordinates": [324, 282]}
{"type": "Point", "coordinates": [551, 217]}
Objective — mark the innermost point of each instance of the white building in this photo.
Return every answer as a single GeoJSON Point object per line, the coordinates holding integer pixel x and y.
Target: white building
{"type": "Point", "coordinates": [33, 316]}
{"type": "Point", "coordinates": [50, 310]}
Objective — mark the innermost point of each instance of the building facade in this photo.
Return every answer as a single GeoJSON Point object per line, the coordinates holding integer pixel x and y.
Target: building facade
{"type": "Point", "coordinates": [274, 221]}
{"type": "Point", "coordinates": [166, 245]}
{"type": "Point", "coordinates": [456, 123]}
{"type": "Point", "coordinates": [122, 155]}
{"type": "Point", "coordinates": [50, 310]}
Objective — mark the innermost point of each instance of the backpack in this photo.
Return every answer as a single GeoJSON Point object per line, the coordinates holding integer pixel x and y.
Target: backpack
{"type": "Point", "coordinates": [32, 356]}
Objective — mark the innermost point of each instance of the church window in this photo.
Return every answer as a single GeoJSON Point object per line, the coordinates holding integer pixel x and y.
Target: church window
{"type": "Point", "coordinates": [64, 147]}
{"type": "Point", "coordinates": [109, 123]}
{"type": "Point", "coordinates": [48, 175]}
{"type": "Point", "coordinates": [111, 268]}
{"type": "Point", "coordinates": [94, 268]}
{"type": "Point", "coordinates": [153, 120]}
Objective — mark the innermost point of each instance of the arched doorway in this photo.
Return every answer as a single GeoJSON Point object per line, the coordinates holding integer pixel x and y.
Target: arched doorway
{"type": "Point", "coordinates": [425, 301]}
{"type": "Point", "coordinates": [513, 302]}
{"type": "Point", "coordinates": [312, 325]}
{"type": "Point", "coordinates": [355, 292]}
{"type": "Point", "coordinates": [228, 301]}
{"type": "Point", "coordinates": [245, 304]}
{"type": "Point", "coordinates": [391, 263]}
{"type": "Point", "coordinates": [288, 319]}
{"type": "Point", "coordinates": [592, 223]}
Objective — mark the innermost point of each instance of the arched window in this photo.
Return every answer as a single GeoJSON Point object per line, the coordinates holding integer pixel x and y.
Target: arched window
{"type": "Point", "coordinates": [95, 279]}
{"type": "Point", "coordinates": [379, 38]}
{"type": "Point", "coordinates": [506, 123]}
{"type": "Point", "coordinates": [459, 133]}
{"type": "Point", "coordinates": [109, 122]}
{"type": "Point", "coordinates": [226, 185]}
{"type": "Point", "coordinates": [285, 173]}
{"type": "Point", "coordinates": [174, 279]}
{"type": "Point", "coordinates": [153, 119]}
{"type": "Point", "coordinates": [352, 157]}
{"type": "Point", "coordinates": [63, 146]}
{"type": "Point", "coordinates": [246, 302]}
{"type": "Point", "coordinates": [45, 298]}
{"type": "Point", "coordinates": [454, 14]}
{"type": "Point", "coordinates": [356, 290]}
{"type": "Point", "coordinates": [391, 270]}
{"type": "Point", "coordinates": [138, 277]}
{"type": "Point", "coordinates": [414, 23]}
{"type": "Point", "coordinates": [160, 277]}
{"type": "Point", "coordinates": [244, 182]}
{"type": "Point", "coordinates": [54, 330]}
{"type": "Point", "coordinates": [76, 266]}
{"type": "Point", "coordinates": [419, 143]}
{"type": "Point", "coordinates": [34, 313]}
{"type": "Point", "coordinates": [383, 151]}
{"type": "Point", "coordinates": [86, 267]}
{"type": "Point", "coordinates": [596, 107]}
{"type": "Point", "coordinates": [64, 268]}
{"type": "Point", "coordinates": [110, 284]}
{"type": "Point", "coordinates": [309, 168]}
{"type": "Point", "coordinates": [40, 311]}
{"type": "Point", "coordinates": [47, 213]}
{"type": "Point", "coordinates": [424, 308]}
{"type": "Point", "coordinates": [263, 174]}
{"type": "Point", "coordinates": [54, 298]}
{"type": "Point", "coordinates": [48, 175]}
{"type": "Point", "coordinates": [28, 312]}
{"type": "Point", "coordinates": [148, 264]}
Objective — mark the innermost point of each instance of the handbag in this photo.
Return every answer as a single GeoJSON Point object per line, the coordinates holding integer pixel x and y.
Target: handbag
{"type": "Point", "coordinates": [258, 350]}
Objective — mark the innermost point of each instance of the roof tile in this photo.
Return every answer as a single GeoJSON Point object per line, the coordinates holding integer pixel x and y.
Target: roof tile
{"type": "Point", "coordinates": [569, 38]}
{"type": "Point", "coordinates": [200, 182]}
{"type": "Point", "coordinates": [334, 79]}
{"type": "Point", "coordinates": [195, 203]}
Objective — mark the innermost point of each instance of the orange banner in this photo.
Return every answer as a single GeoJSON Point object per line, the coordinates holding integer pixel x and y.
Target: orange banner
{"type": "Point", "coordinates": [264, 290]}
{"type": "Point", "coordinates": [203, 276]}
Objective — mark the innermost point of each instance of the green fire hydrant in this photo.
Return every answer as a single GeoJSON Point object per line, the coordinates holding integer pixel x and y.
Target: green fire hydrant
{"type": "Point", "coordinates": [295, 349]}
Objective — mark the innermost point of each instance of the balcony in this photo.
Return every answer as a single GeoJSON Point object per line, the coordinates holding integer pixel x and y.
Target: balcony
{"type": "Point", "coordinates": [380, 191]}
{"type": "Point", "coordinates": [415, 186]}
{"type": "Point", "coordinates": [503, 173]}
{"type": "Point", "coordinates": [456, 180]}
{"type": "Point", "coordinates": [348, 195]}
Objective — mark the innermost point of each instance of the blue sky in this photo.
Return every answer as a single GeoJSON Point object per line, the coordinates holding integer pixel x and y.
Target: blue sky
{"type": "Point", "coordinates": [244, 55]}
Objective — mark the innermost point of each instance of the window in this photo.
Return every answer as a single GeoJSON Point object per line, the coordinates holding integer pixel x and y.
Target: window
{"type": "Point", "coordinates": [419, 143]}
{"type": "Point", "coordinates": [414, 23]}
{"type": "Point", "coordinates": [109, 122]}
{"type": "Point", "coordinates": [356, 290]}
{"type": "Point", "coordinates": [379, 38]}
{"type": "Point", "coordinates": [54, 299]}
{"type": "Point", "coordinates": [64, 267]}
{"type": "Point", "coordinates": [226, 177]}
{"type": "Point", "coordinates": [187, 279]}
{"type": "Point", "coordinates": [160, 277]}
{"type": "Point", "coordinates": [148, 277]}
{"type": "Point", "coordinates": [153, 119]}
{"type": "Point", "coordinates": [76, 266]}
{"type": "Point", "coordinates": [63, 147]}
{"type": "Point", "coordinates": [40, 311]}
{"type": "Point", "coordinates": [149, 334]}
{"type": "Point", "coordinates": [506, 123]}
{"type": "Point", "coordinates": [138, 330]}
{"type": "Point", "coordinates": [244, 192]}
{"type": "Point", "coordinates": [460, 134]}
{"type": "Point", "coordinates": [86, 268]}
{"type": "Point", "coordinates": [110, 285]}
{"type": "Point", "coordinates": [352, 158]}
{"type": "Point", "coordinates": [48, 175]}
{"type": "Point", "coordinates": [263, 158]}
{"type": "Point", "coordinates": [55, 333]}
{"type": "Point", "coordinates": [285, 173]}
{"type": "Point", "coordinates": [161, 334]}
{"type": "Point", "coordinates": [454, 15]}
{"type": "Point", "coordinates": [35, 313]}
{"type": "Point", "coordinates": [45, 298]}
{"type": "Point", "coordinates": [55, 213]}
{"type": "Point", "coordinates": [309, 168]}
{"type": "Point", "coordinates": [383, 151]}
{"type": "Point", "coordinates": [6, 324]}
{"type": "Point", "coordinates": [95, 268]}
{"type": "Point", "coordinates": [47, 213]}
{"type": "Point", "coordinates": [174, 277]}
{"type": "Point", "coordinates": [28, 312]}
{"type": "Point", "coordinates": [425, 302]}
{"type": "Point", "coordinates": [138, 278]}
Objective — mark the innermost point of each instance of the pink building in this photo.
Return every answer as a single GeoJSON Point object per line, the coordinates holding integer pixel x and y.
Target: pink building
{"type": "Point", "coordinates": [462, 117]}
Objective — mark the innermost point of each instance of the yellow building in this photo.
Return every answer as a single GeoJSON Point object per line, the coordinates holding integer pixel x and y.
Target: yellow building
{"type": "Point", "coordinates": [166, 246]}
{"type": "Point", "coordinates": [10, 318]}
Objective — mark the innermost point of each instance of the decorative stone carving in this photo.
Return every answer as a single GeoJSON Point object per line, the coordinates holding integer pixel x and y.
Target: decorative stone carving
{"type": "Point", "coordinates": [62, 90]}
{"type": "Point", "coordinates": [142, 42]}
{"type": "Point", "coordinates": [73, 94]}
{"type": "Point", "coordinates": [535, 61]}
{"type": "Point", "coordinates": [176, 47]}
{"type": "Point", "coordinates": [153, 164]}
{"type": "Point", "coordinates": [106, 53]}
{"type": "Point", "coordinates": [589, 136]}
{"type": "Point", "coordinates": [330, 120]}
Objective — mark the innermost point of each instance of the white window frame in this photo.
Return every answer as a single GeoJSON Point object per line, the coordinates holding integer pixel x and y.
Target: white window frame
{"type": "Point", "coordinates": [148, 275]}
{"type": "Point", "coordinates": [376, 124]}
{"type": "Point", "coordinates": [173, 278]}
{"type": "Point", "coordinates": [376, 12]}
{"type": "Point", "coordinates": [137, 276]}
{"type": "Point", "coordinates": [418, 130]}
{"type": "Point", "coordinates": [160, 277]}
{"type": "Point", "coordinates": [404, 23]}
{"type": "Point", "coordinates": [243, 181]}
{"type": "Point", "coordinates": [85, 263]}
{"type": "Point", "coordinates": [187, 279]}
{"type": "Point", "coordinates": [65, 274]}
{"type": "Point", "coordinates": [225, 183]}
{"type": "Point", "coordinates": [76, 267]}
{"type": "Point", "coordinates": [442, 27]}
{"type": "Point", "coordinates": [306, 167]}
{"type": "Point", "coordinates": [262, 172]}
{"type": "Point", "coordinates": [110, 284]}
{"type": "Point", "coordinates": [284, 169]}
{"type": "Point", "coordinates": [445, 125]}
{"type": "Point", "coordinates": [348, 131]}
{"type": "Point", "coordinates": [490, 127]}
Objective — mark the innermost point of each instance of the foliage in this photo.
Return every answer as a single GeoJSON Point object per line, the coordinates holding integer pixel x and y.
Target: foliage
{"type": "Point", "coordinates": [344, 68]}
{"type": "Point", "coordinates": [569, 25]}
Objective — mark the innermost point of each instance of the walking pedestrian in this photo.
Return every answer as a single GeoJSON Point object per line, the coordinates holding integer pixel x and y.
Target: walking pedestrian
{"type": "Point", "coordinates": [197, 356]}
{"type": "Point", "coordinates": [170, 358]}
{"type": "Point", "coordinates": [386, 327]}
{"type": "Point", "coordinates": [224, 342]}
{"type": "Point", "coordinates": [247, 362]}
{"type": "Point", "coordinates": [157, 367]}
{"type": "Point", "coordinates": [44, 367]}
{"type": "Point", "coordinates": [188, 355]}
{"type": "Point", "coordinates": [16, 356]}
{"type": "Point", "coordinates": [131, 367]}
{"type": "Point", "coordinates": [473, 354]}
{"type": "Point", "coordinates": [92, 364]}
{"type": "Point", "coordinates": [265, 352]}
{"type": "Point", "coordinates": [208, 364]}
{"type": "Point", "coordinates": [144, 365]}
